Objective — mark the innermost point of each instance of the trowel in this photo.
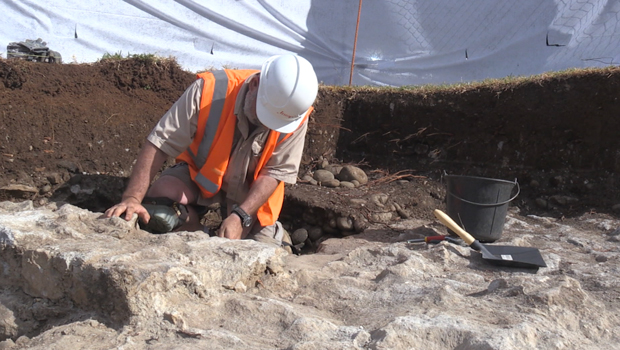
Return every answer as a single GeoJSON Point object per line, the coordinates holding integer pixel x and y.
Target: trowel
{"type": "Point", "coordinates": [512, 256]}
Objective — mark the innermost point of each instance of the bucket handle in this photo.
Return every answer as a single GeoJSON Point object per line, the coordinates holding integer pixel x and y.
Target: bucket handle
{"type": "Point", "coordinates": [489, 204]}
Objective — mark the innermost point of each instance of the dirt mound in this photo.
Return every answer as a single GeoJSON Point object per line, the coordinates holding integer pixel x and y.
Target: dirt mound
{"type": "Point", "coordinates": [61, 120]}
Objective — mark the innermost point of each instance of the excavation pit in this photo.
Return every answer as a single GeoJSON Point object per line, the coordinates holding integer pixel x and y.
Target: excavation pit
{"type": "Point", "coordinates": [77, 143]}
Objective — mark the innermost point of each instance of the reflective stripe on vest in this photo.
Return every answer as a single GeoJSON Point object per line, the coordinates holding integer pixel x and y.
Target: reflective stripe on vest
{"type": "Point", "coordinates": [217, 106]}
{"type": "Point", "coordinates": [215, 115]}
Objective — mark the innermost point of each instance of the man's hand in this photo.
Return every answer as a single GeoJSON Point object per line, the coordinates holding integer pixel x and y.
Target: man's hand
{"type": "Point", "coordinates": [149, 162]}
{"type": "Point", "coordinates": [260, 191]}
{"type": "Point", "coordinates": [129, 206]}
{"type": "Point", "coordinates": [231, 227]}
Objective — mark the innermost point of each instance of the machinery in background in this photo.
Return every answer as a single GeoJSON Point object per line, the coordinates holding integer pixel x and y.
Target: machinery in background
{"type": "Point", "coordinates": [33, 50]}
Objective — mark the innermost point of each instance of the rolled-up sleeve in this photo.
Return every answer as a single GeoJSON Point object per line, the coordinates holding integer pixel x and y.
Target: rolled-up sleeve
{"type": "Point", "coordinates": [176, 129]}
{"type": "Point", "coordinates": [284, 162]}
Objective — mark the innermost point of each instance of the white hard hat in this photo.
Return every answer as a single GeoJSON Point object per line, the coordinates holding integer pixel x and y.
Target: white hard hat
{"type": "Point", "coordinates": [287, 88]}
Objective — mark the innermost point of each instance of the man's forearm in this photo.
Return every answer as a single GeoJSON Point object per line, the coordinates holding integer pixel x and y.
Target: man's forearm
{"type": "Point", "coordinates": [262, 188]}
{"type": "Point", "coordinates": [150, 160]}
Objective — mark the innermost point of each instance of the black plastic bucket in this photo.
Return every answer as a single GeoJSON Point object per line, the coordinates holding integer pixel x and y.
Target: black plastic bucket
{"type": "Point", "coordinates": [479, 204]}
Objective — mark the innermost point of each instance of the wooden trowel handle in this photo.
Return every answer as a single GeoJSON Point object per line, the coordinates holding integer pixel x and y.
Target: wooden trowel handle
{"type": "Point", "coordinates": [446, 220]}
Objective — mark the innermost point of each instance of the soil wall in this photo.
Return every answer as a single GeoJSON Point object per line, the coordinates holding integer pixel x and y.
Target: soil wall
{"type": "Point", "coordinates": [565, 121]}
{"type": "Point", "coordinates": [555, 133]}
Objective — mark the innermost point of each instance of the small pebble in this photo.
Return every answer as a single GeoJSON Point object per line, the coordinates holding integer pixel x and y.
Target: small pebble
{"type": "Point", "coordinates": [542, 203]}
{"type": "Point", "coordinates": [323, 175]}
{"type": "Point", "coordinates": [499, 283]}
{"type": "Point", "coordinates": [314, 233]}
{"type": "Point", "coordinates": [331, 183]}
{"type": "Point", "coordinates": [344, 223]}
{"type": "Point", "coordinates": [299, 236]}
{"type": "Point", "coordinates": [347, 184]}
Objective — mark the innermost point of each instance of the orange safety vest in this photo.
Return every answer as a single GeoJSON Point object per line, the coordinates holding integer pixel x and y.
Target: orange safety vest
{"type": "Point", "coordinates": [209, 153]}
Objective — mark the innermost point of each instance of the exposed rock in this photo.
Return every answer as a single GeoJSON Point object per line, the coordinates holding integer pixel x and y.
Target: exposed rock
{"type": "Point", "coordinates": [299, 236]}
{"type": "Point", "coordinates": [240, 287]}
{"type": "Point", "coordinates": [350, 173]}
{"type": "Point", "coordinates": [497, 284]}
{"type": "Point", "coordinates": [133, 290]}
{"type": "Point", "coordinates": [347, 184]}
{"type": "Point", "coordinates": [323, 175]}
{"type": "Point", "coordinates": [382, 217]}
{"type": "Point", "coordinates": [72, 167]}
{"type": "Point", "coordinates": [601, 258]}
{"type": "Point", "coordinates": [324, 164]}
{"type": "Point", "coordinates": [575, 242]}
{"type": "Point", "coordinates": [55, 178]}
{"type": "Point", "coordinates": [330, 183]}
{"type": "Point", "coordinates": [8, 327]}
{"type": "Point", "coordinates": [22, 341]}
{"type": "Point", "coordinates": [357, 202]}
{"type": "Point", "coordinates": [175, 318]}
{"type": "Point", "coordinates": [334, 169]}
{"type": "Point", "coordinates": [19, 191]}
{"type": "Point", "coordinates": [344, 223]}
{"type": "Point", "coordinates": [360, 223]}
{"type": "Point", "coordinates": [7, 344]}
{"type": "Point", "coordinates": [314, 233]}
{"type": "Point", "coordinates": [332, 221]}
{"type": "Point", "coordinates": [405, 214]}
{"type": "Point", "coordinates": [542, 203]}
{"type": "Point", "coordinates": [379, 199]}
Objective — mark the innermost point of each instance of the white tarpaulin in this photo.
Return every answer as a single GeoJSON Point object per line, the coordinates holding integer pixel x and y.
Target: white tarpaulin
{"type": "Point", "coordinates": [399, 42]}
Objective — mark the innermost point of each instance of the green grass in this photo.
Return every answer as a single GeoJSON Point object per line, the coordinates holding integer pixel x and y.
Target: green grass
{"type": "Point", "coordinates": [115, 57]}
{"type": "Point", "coordinates": [144, 58]}
{"type": "Point", "coordinates": [505, 83]}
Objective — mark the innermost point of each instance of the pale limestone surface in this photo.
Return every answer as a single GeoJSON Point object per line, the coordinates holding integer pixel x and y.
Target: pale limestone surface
{"type": "Point", "coordinates": [73, 280]}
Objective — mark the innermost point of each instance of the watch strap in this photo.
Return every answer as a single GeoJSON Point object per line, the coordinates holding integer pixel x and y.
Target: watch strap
{"type": "Point", "coordinates": [246, 219]}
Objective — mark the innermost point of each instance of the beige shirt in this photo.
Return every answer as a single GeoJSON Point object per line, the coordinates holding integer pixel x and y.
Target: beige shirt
{"type": "Point", "coordinates": [176, 129]}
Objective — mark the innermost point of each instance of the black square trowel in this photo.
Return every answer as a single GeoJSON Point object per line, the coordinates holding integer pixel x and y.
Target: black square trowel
{"type": "Point", "coordinates": [496, 254]}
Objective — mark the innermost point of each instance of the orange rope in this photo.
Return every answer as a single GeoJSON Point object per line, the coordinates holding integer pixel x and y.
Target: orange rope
{"type": "Point", "coordinates": [359, 12]}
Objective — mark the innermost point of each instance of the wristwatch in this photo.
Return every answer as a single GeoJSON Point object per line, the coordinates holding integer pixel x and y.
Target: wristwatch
{"type": "Point", "coordinates": [246, 220]}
